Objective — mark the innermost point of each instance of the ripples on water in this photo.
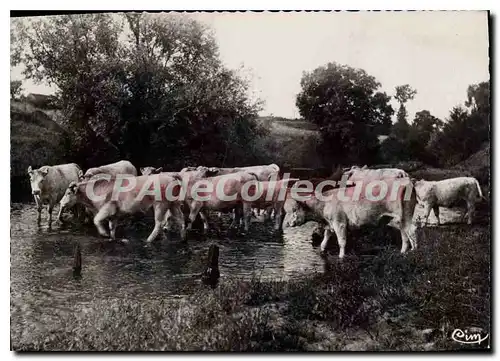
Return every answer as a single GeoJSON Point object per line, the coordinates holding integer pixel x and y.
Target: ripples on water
{"type": "Point", "coordinates": [42, 284]}
{"type": "Point", "coordinates": [42, 260]}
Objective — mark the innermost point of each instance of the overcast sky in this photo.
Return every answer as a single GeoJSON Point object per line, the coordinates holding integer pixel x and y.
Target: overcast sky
{"type": "Point", "coordinates": [437, 53]}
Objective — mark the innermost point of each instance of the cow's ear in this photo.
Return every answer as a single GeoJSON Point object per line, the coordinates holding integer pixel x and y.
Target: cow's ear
{"type": "Point", "coordinates": [159, 170]}
{"type": "Point", "coordinates": [73, 187]}
{"type": "Point", "coordinates": [30, 170]}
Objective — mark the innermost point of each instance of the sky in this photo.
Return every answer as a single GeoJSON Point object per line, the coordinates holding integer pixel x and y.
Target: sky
{"type": "Point", "coordinates": [438, 53]}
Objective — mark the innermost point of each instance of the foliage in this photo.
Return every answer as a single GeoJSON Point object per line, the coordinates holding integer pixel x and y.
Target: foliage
{"type": "Point", "coordinates": [441, 143]}
{"type": "Point", "coordinates": [404, 93]}
{"type": "Point", "coordinates": [156, 95]}
{"type": "Point", "coordinates": [349, 110]}
{"type": "Point", "coordinates": [15, 89]}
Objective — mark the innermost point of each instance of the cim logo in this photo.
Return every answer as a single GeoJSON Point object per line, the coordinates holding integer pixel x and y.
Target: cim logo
{"type": "Point", "coordinates": [470, 336]}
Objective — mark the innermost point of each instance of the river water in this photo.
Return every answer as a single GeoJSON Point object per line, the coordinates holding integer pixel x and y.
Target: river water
{"type": "Point", "coordinates": [42, 282]}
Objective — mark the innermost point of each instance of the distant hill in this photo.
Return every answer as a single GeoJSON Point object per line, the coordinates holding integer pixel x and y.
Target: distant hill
{"type": "Point", "coordinates": [291, 142]}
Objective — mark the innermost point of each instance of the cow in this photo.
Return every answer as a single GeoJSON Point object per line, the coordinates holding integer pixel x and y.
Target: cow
{"type": "Point", "coordinates": [106, 203]}
{"type": "Point", "coordinates": [48, 184]}
{"type": "Point", "coordinates": [212, 199]}
{"type": "Point", "coordinates": [355, 173]}
{"type": "Point", "coordinates": [347, 207]}
{"type": "Point", "coordinates": [123, 167]}
{"type": "Point", "coordinates": [263, 172]}
{"type": "Point", "coordinates": [270, 195]}
{"type": "Point", "coordinates": [446, 193]}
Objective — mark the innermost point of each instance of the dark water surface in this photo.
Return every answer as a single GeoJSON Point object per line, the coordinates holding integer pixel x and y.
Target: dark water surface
{"type": "Point", "coordinates": [42, 282]}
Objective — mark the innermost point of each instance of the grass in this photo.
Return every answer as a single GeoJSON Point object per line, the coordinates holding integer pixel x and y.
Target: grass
{"type": "Point", "coordinates": [375, 299]}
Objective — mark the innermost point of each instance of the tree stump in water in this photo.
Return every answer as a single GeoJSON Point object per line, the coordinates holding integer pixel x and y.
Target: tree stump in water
{"type": "Point", "coordinates": [211, 274]}
{"type": "Point", "coordinates": [77, 261]}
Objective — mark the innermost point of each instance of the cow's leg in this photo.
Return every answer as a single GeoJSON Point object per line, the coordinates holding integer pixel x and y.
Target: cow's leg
{"type": "Point", "coordinates": [436, 213]}
{"type": "Point", "coordinates": [237, 217]}
{"type": "Point", "coordinates": [326, 236]}
{"type": "Point", "coordinates": [404, 240]}
{"type": "Point", "coordinates": [471, 207]}
{"type": "Point", "coordinates": [247, 215]}
{"type": "Point", "coordinates": [112, 228]}
{"type": "Point", "coordinates": [195, 208]}
{"type": "Point", "coordinates": [267, 213]}
{"type": "Point", "coordinates": [278, 220]}
{"type": "Point", "coordinates": [50, 208]}
{"type": "Point", "coordinates": [159, 212]}
{"type": "Point", "coordinates": [204, 218]}
{"type": "Point", "coordinates": [340, 229]}
{"type": "Point", "coordinates": [425, 215]}
{"type": "Point", "coordinates": [106, 211]}
{"type": "Point", "coordinates": [38, 203]}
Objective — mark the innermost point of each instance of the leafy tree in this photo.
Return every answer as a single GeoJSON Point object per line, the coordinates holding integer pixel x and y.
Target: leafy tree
{"type": "Point", "coordinates": [419, 135]}
{"type": "Point", "coordinates": [350, 111]}
{"type": "Point", "coordinates": [15, 89]}
{"type": "Point", "coordinates": [404, 93]}
{"type": "Point", "coordinates": [466, 129]}
{"type": "Point", "coordinates": [147, 87]}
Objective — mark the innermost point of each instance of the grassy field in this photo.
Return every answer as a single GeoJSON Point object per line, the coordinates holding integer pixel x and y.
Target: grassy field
{"type": "Point", "coordinates": [375, 299]}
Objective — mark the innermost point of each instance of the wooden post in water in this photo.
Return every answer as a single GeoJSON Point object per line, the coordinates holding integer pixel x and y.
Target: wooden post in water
{"type": "Point", "coordinates": [211, 274]}
{"type": "Point", "coordinates": [77, 261]}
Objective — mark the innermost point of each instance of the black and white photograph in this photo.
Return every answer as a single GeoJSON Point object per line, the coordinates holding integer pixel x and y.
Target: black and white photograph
{"type": "Point", "coordinates": [250, 181]}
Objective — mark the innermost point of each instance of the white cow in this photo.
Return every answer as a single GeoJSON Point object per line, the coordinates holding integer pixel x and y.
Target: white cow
{"type": "Point", "coordinates": [345, 210]}
{"type": "Point", "coordinates": [113, 169]}
{"type": "Point", "coordinates": [48, 184]}
{"type": "Point", "coordinates": [356, 173]}
{"type": "Point", "coordinates": [98, 196]}
{"type": "Point", "coordinates": [445, 193]}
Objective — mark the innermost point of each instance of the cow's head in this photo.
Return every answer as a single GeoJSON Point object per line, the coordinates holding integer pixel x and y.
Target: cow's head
{"type": "Point", "coordinates": [151, 170]}
{"type": "Point", "coordinates": [38, 179]}
{"type": "Point", "coordinates": [70, 196]}
{"type": "Point", "coordinates": [294, 213]}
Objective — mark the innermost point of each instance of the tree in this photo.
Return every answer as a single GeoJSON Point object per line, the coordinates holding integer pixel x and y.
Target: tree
{"type": "Point", "coordinates": [350, 111]}
{"type": "Point", "coordinates": [419, 135]}
{"type": "Point", "coordinates": [466, 129]}
{"type": "Point", "coordinates": [404, 93]}
{"type": "Point", "coordinates": [147, 87]}
{"type": "Point", "coordinates": [15, 89]}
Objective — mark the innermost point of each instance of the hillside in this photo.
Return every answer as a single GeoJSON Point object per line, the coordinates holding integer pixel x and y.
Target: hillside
{"type": "Point", "coordinates": [290, 143]}
{"type": "Point", "coordinates": [35, 139]}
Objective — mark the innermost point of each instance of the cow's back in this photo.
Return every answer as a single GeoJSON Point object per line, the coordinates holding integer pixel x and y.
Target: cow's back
{"type": "Point", "coordinates": [450, 191]}
{"type": "Point", "coordinates": [59, 177]}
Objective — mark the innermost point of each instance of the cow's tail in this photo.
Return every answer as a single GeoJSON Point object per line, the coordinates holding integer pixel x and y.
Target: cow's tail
{"type": "Point", "coordinates": [479, 189]}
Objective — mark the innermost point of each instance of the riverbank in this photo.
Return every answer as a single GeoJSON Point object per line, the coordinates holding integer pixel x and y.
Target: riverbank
{"type": "Point", "coordinates": [375, 299]}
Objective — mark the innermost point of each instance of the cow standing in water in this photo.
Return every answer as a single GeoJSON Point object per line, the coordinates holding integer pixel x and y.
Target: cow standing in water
{"type": "Point", "coordinates": [48, 185]}
{"type": "Point", "coordinates": [356, 206]}
{"type": "Point", "coordinates": [109, 198]}
{"type": "Point", "coordinates": [446, 193]}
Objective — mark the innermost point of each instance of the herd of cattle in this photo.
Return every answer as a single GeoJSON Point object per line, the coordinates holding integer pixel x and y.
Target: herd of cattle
{"type": "Point", "coordinates": [66, 185]}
